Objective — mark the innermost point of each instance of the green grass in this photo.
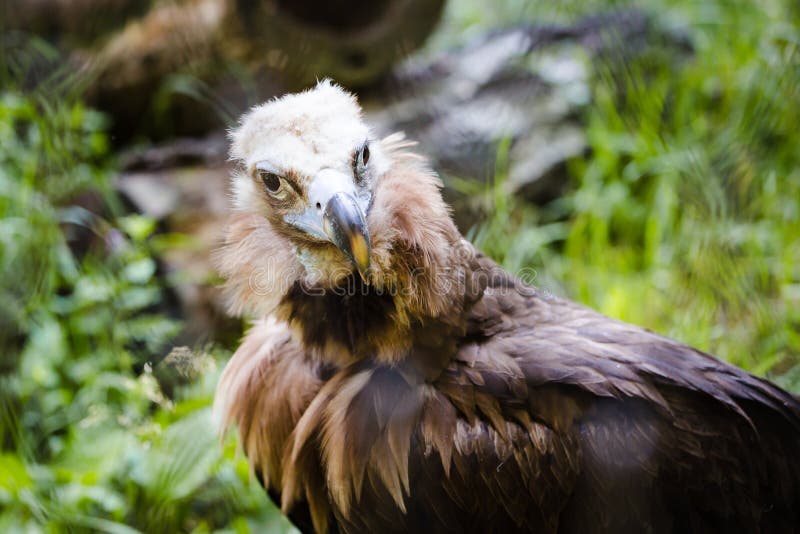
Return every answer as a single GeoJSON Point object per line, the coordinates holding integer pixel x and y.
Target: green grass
{"type": "Point", "coordinates": [89, 442]}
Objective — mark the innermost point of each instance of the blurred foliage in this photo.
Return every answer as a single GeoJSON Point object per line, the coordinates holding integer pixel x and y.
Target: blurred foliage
{"type": "Point", "coordinates": [88, 440]}
{"type": "Point", "coordinates": [684, 217]}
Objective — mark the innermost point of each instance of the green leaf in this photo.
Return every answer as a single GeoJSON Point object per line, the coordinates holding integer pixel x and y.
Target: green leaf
{"type": "Point", "coordinates": [14, 477]}
{"type": "Point", "coordinates": [139, 227]}
{"type": "Point", "coordinates": [140, 271]}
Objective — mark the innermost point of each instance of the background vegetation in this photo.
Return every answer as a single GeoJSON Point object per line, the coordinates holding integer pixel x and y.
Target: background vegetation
{"type": "Point", "coordinates": [684, 217]}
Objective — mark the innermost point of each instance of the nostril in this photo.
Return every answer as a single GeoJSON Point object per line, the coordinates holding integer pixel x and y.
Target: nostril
{"type": "Point", "coordinates": [319, 206]}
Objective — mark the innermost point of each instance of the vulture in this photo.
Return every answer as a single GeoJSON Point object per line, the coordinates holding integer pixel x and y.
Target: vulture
{"type": "Point", "coordinates": [395, 379]}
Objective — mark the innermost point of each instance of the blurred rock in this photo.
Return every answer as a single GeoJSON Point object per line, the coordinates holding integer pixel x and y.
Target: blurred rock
{"type": "Point", "coordinates": [186, 67]}
{"type": "Point", "coordinates": [525, 87]}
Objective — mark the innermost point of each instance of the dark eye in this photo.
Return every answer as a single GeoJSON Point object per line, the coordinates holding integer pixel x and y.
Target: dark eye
{"type": "Point", "coordinates": [361, 160]}
{"type": "Point", "coordinates": [271, 181]}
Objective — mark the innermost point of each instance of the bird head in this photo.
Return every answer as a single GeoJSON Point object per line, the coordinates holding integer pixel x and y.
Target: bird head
{"type": "Point", "coordinates": [309, 166]}
{"type": "Point", "coordinates": [320, 203]}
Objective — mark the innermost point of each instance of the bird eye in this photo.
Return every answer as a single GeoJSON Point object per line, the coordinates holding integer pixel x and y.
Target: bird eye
{"type": "Point", "coordinates": [271, 181]}
{"type": "Point", "coordinates": [361, 160]}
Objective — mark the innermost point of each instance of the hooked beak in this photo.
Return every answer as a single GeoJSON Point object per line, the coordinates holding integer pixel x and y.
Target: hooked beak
{"type": "Point", "coordinates": [337, 213]}
{"type": "Point", "coordinates": [345, 225]}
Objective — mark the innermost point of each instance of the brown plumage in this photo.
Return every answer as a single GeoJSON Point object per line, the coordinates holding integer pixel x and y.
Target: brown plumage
{"type": "Point", "coordinates": [397, 380]}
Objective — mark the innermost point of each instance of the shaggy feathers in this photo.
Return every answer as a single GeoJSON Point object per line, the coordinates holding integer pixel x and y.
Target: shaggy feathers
{"type": "Point", "coordinates": [447, 396]}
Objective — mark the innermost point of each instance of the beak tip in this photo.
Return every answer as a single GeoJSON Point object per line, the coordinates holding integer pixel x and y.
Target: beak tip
{"type": "Point", "coordinates": [360, 249]}
{"type": "Point", "coordinates": [345, 225]}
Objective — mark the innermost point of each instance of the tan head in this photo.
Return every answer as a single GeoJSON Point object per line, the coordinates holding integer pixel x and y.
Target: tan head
{"type": "Point", "coordinates": [319, 203]}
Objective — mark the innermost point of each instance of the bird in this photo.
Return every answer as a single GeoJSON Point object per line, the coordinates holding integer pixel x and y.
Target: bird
{"type": "Point", "coordinates": [396, 379]}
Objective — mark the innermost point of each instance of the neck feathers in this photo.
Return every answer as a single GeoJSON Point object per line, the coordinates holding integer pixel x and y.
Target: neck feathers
{"type": "Point", "coordinates": [384, 318]}
{"type": "Point", "coordinates": [421, 272]}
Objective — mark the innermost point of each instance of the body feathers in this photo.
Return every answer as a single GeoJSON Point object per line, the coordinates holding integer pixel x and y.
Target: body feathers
{"type": "Point", "coordinates": [438, 393]}
{"type": "Point", "coordinates": [542, 416]}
